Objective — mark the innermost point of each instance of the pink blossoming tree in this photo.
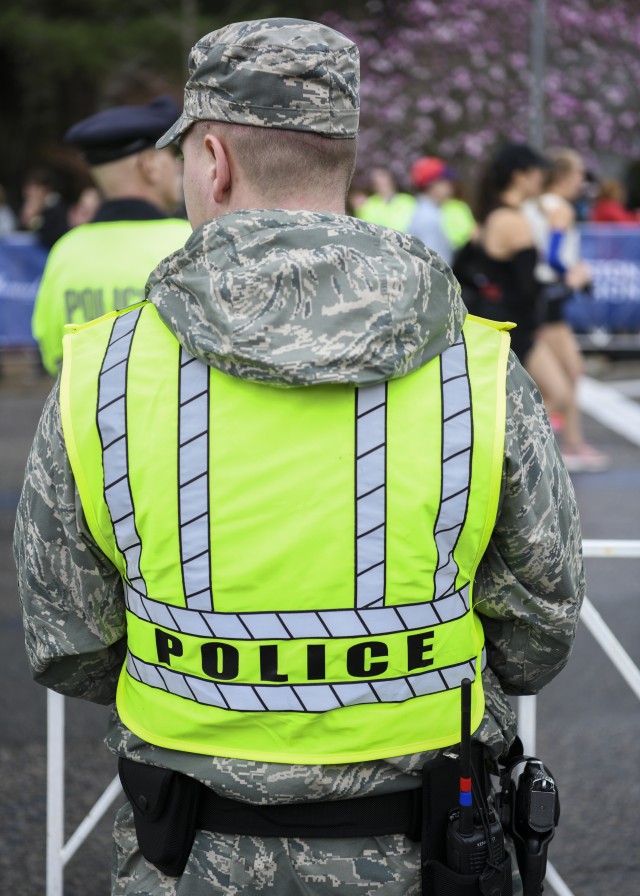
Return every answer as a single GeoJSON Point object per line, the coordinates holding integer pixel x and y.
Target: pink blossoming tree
{"type": "Point", "coordinates": [452, 78]}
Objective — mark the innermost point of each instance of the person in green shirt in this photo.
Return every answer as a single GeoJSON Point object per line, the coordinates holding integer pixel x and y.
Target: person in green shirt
{"type": "Point", "coordinates": [103, 265]}
{"type": "Point", "coordinates": [457, 220]}
{"type": "Point", "coordinates": [386, 206]}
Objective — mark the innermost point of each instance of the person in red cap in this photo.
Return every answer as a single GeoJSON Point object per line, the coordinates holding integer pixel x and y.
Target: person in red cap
{"type": "Point", "coordinates": [433, 179]}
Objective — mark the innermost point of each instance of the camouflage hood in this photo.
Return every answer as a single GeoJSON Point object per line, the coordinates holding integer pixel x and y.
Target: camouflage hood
{"type": "Point", "coordinates": [296, 298]}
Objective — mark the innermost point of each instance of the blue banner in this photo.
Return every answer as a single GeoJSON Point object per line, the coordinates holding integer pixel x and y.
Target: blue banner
{"type": "Point", "coordinates": [613, 305]}
{"type": "Point", "coordinates": [21, 264]}
{"type": "Point", "coordinates": [612, 251]}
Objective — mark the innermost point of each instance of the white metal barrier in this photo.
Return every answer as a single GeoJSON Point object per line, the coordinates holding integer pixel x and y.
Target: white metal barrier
{"type": "Point", "coordinates": [60, 852]}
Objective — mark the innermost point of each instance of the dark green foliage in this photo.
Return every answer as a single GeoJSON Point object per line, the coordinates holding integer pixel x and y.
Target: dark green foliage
{"type": "Point", "coordinates": [62, 60]}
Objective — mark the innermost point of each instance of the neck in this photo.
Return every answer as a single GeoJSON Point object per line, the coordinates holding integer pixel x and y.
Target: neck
{"type": "Point", "coordinates": [329, 204]}
{"type": "Point", "coordinates": [513, 197]}
{"type": "Point", "coordinates": [560, 190]}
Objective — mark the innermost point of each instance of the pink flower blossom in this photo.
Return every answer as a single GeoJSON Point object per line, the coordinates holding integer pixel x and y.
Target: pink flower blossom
{"type": "Point", "coordinates": [451, 78]}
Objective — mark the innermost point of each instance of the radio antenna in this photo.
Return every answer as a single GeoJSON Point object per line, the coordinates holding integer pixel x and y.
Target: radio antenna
{"type": "Point", "coordinates": [466, 797]}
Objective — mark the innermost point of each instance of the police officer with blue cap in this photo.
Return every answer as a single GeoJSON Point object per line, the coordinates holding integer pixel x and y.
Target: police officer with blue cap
{"type": "Point", "coordinates": [121, 131]}
{"type": "Point", "coordinates": [103, 266]}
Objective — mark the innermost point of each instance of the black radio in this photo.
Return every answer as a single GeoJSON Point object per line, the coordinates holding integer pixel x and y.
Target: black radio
{"type": "Point", "coordinates": [475, 841]}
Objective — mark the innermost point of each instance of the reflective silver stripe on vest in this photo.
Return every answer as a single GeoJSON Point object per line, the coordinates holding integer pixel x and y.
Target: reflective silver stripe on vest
{"type": "Point", "coordinates": [286, 625]}
{"type": "Point", "coordinates": [303, 697]}
{"type": "Point", "coordinates": [112, 426]}
{"type": "Point", "coordinates": [193, 482]}
{"type": "Point", "coordinates": [457, 437]}
{"type": "Point", "coordinates": [371, 460]}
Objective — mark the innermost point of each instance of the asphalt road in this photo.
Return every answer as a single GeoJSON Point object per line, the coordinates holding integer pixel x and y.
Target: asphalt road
{"type": "Point", "coordinates": [588, 719]}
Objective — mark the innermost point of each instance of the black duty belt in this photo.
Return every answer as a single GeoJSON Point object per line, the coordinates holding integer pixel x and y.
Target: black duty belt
{"type": "Point", "coordinates": [367, 816]}
{"type": "Point", "coordinates": [168, 808]}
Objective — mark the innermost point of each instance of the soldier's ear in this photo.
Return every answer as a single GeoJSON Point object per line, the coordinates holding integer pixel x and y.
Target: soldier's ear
{"type": "Point", "coordinates": [219, 167]}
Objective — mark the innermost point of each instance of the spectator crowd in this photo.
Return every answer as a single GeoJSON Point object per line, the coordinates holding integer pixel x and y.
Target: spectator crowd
{"type": "Point", "coordinates": [512, 239]}
{"type": "Point", "coordinates": [509, 234]}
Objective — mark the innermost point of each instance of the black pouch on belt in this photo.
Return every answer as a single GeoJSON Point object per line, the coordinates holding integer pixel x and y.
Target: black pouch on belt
{"type": "Point", "coordinates": [165, 806]}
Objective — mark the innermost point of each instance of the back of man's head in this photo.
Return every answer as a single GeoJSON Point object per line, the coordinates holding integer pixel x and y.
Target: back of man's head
{"type": "Point", "coordinates": [283, 94]}
{"type": "Point", "coordinates": [118, 144]}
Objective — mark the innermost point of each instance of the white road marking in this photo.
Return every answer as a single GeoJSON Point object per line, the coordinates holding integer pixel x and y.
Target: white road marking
{"type": "Point", "coordinates": [630, 388]}
{"type": "Point", "coordinates": [611, 408]}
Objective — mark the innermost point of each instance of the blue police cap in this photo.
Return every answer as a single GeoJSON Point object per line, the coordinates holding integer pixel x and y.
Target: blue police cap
{"type": "Point", "coordinates": [122, 130]}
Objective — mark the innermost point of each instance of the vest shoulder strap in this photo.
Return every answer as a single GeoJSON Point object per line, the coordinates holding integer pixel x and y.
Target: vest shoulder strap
{"type": "Point", "coordinates": [500, 325]}
{"type": "Point", "coordinates": [110, 315]}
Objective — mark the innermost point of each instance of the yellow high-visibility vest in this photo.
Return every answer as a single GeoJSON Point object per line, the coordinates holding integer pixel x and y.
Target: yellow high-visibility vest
{"type": "Point", "coordinates": [97, 268]}
{"type": "Point", "coordinates": [395, 213]}
{"type": "Point", "coordinates": [297, 562]}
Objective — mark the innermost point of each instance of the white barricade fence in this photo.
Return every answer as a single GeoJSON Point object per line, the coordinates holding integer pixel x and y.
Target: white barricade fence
{"type": "Point", "coordinates": [59, 851]}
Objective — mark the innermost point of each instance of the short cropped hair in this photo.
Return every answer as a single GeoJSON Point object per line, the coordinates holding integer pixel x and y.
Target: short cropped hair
{"type": "Point", "coordinates": [279, 162]}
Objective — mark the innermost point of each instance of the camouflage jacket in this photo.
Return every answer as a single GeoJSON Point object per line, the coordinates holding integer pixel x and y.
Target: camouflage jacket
{"type": "Point", "coordinates": [301, 298]}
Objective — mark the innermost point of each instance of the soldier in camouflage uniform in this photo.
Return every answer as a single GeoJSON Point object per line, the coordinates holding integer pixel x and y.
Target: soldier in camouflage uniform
{"type": "Point", "coordinates": [289, 297]}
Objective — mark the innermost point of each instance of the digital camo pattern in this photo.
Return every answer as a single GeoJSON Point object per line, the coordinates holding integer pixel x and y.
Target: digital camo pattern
{"type": "Point", "coordinates": [72, 595]}
{"type": "Point", "coordinates": [239, 866]}
{"type": "Point", "coordinates": [535, 553]}
{"type": "Point", "coordinates": [297, 298]}
{"type": "Point", "coordinates": [273, 73]}
{"type": "Point", "coordinates": [329, 299]}
{"type": "Point", "coordinates": [224, 865]}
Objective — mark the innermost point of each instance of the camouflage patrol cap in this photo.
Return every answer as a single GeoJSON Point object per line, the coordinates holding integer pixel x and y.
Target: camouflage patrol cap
{"type": "Point", "coordinates": [273, 73]}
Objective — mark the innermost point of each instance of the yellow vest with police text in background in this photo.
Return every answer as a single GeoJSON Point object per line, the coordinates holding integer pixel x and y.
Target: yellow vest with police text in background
{"type": "Point", "coordinates": [297, 562]}
{"type": "Point", "coordinates": [97, 268]}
